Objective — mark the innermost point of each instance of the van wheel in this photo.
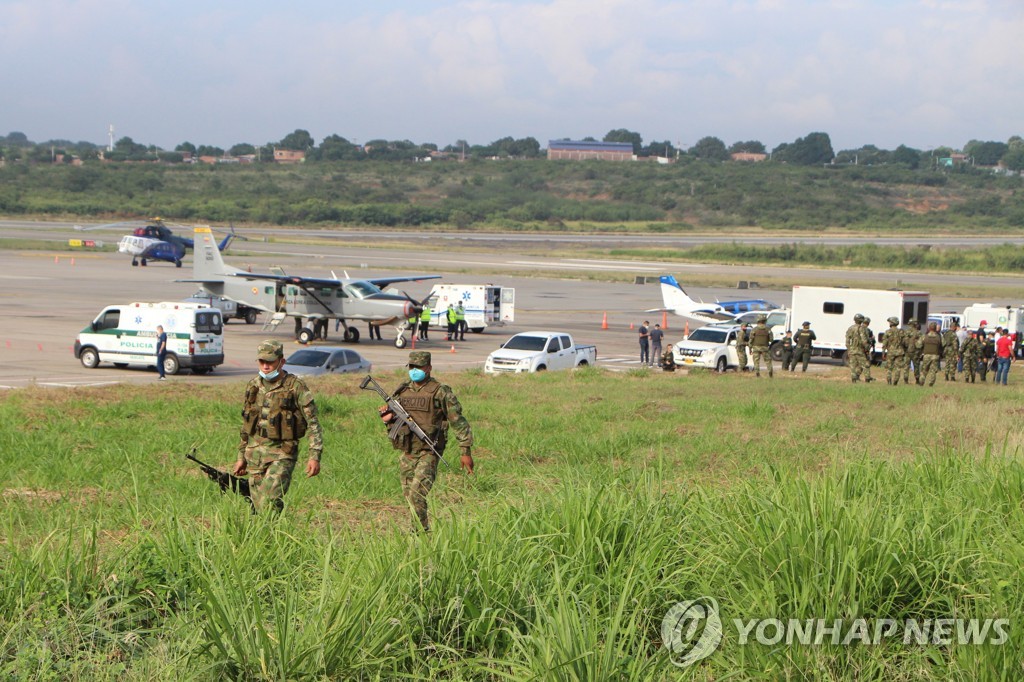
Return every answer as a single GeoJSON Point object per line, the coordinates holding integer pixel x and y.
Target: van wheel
{"type": "Point", "coordinates": [846, 358]}
{"type": "Point", "coordinates": [305, 335]}
{"type": "Point", "coordinates": [250, 317]}
{"type": "Point", "coordinates": [477, 330]}
{"type": "Point", "coordinates": [171, 364]}
{"type": "Point", "coordinates": [201, 370]}
{"type": "Point", "coordinates": [90, 358]}
{"type": "Point", "coordinates": [721, 365]}
{"type": "Point", "coordinates": [120, 365]}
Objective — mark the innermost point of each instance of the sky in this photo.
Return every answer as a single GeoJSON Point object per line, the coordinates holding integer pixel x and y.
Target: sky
{"type": "Point", "coordinates": [925, 73]}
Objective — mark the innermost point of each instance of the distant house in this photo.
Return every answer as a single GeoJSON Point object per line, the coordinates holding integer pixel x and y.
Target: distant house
{"type": "Point", "coordinates": [288, 156]}
{"type": "Point", "coordinates": [581, 150]}
{"type": "Point", "coordinates": [748, 156]}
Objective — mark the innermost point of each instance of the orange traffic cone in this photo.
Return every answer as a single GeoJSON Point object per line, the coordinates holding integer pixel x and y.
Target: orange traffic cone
{"type": "Point", "coordinates": [604, 321]}
{"type": "Point", "coordinates": [56, 259]}
{"type": "Point", "coordinates": [686, 330]}
{"type": "Point", "coordinates": [413, 336]}
{"type": "Point", "coordinates": [72, 260]}
{"type": "Point", "coordinates": [664, 320]}
{"type": "Point", "coordinates": [453, 349]}
{"type": "Point", "coordinates": [630, 325]}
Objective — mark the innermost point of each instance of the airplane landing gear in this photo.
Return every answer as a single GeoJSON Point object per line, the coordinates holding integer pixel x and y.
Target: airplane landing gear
{"type": "Point", "coordinates": [143, 262]}
{"type": "Point", "coordinates": [135, 262]}
{"type": "Point", "coordinates": [351, 335]}
{"type": "Point", "coordinates": [177, 263]}
{"type": "Point", "coordinates": [400, 342]}
{"type": "Point", "coordinates": [305, 335]}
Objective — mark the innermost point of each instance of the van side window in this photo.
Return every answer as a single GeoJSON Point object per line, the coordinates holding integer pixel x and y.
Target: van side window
{"type": "Point", "coordinates": [831, 308]}
{"type": "Point", "coordinates": [111, 320]}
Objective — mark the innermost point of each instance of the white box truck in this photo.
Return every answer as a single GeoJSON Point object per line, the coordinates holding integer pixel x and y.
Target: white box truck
{"type": "Point", "coordinates": [830, 311]}
{"type": "Point", "coordinates": [126, 335]}
{"type": "Point", "coordinates": [485, 304]}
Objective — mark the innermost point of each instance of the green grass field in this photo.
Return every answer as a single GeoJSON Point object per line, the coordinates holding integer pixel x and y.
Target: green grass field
{"type": "Point", "coordinates": [600, 501]}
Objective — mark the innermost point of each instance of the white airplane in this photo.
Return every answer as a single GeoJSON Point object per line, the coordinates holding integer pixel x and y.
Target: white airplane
{"type": "Point", "coordinates": [696, 313]}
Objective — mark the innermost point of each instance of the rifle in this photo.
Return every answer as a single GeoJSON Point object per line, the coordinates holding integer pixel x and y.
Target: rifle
{"type": "Point", "coordinates": [223, 478]}
{"type": "Point", "coordinates": [401, 417]}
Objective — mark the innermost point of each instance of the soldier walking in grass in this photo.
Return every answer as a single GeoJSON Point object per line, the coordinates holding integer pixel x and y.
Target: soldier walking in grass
{"type": "Point", "coordinates": [856, 342]}
{"type": "Point", "coordinates": [931, 350]}
{"type": "Point", "coordinates": [760, 342]}
{"type": "Point", "coordinates": [742, 340]}
{"type": "Point", "coordinates": [804, 341]}
{"type": "Point", "coordinates": [895, 352]}
{"type": "Point", "coordinates": [278, 410]}
{"type": "Point", "coordinates": [950, 351]}
{"type": "Point", "coordinates": [435, 409]}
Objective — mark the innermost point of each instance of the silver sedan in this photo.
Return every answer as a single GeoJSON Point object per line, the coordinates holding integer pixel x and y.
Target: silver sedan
{"type": "Point", "coordinates": [326, 360]}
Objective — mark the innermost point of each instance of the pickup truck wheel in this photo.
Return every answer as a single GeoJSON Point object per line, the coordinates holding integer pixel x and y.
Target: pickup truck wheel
{"type": "Point", "coordinates": [542, 368]}
{"type": "Point", "coordinates": [776, 351]}
{"type": "Point", "coordinates": [171, 365]}
{"type": "Point", "coordinates": [250, 316]}
{"type": "Point", "coordinates": [583, 363]}
{"type": "Point", "coordinates": [721, 365]}
{"type": "Point", "coordinates": [90, 358]}
{"type": "Point", "coordinates": [305, 335]}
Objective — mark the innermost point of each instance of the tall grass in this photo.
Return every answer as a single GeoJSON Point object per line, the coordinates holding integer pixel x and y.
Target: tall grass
{"type": "Point", "coordinates": [558, 561]}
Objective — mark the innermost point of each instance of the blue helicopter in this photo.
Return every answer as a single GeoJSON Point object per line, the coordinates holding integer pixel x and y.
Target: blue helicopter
{"type": "Point", "coordinates": [154, 240]}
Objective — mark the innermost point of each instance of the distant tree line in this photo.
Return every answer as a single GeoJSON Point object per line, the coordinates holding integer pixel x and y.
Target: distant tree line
{"type": "Point", "coordinates": [812, 150]}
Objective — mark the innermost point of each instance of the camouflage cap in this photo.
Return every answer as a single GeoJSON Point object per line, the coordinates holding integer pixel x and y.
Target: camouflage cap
{"type": "Point", "coordinates": [270, 350]}
{"type": "Point", "coordinates": [419, 358]}
{"type": "Point", "coordinates": [893, 321]}
{"type": "Point", "coordinates": [867, 320]}
{"type": "Point", "coordinates": [912, 320]}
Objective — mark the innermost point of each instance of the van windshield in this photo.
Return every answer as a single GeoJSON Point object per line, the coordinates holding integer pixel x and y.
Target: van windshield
{"type": "Point", "coordinates": [208, 322]}
{"type": "Point", "coordinates": [526, 343]}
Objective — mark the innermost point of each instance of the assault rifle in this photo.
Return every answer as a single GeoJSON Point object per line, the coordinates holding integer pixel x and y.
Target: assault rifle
{"type": "Point", "coordinates": [223, 478]}
{"type": "Point", "coordinates": [401, 417]}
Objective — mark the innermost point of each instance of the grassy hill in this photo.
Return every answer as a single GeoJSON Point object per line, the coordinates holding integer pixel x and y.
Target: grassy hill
{"type": "Point", "coordinates": [530, 195]}
{"type": "Point", "coordinates": [600, 501]}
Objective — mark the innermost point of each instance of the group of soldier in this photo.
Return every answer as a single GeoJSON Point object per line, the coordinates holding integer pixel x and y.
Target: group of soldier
{"type": "Point", "coordinates": [278, 410]}
{"type": "Point", "coordinates": [796, 348]}
{"type": "Point", "coordinates": [908, 348]}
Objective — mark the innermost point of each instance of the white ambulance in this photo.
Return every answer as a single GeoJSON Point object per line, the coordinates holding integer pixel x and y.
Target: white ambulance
{"type": "Point", "coordinates": [485, 304]}
{"type": "Point", "coordinates": [126, 335]}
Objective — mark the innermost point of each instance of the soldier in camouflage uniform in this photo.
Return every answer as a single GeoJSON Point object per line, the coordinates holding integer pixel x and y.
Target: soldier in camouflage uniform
{"type": "Point", "coordinates": [971, 351]}
{"type": "Point", "coordinates": [950, 351]}
{"type": "Point", "coordinates": [434, 408]}
{"type": "Point", "coordinates": [668, 359]}
{"type": "Point", "coordinates": [912, 339]}
{"type": "Point", "coordinates": [804, 341]}
{"type": "Point", "coordinates": [277, 411]}
{"type": "Point", "coordinates": [856, 342]}
{"type": "Point", "coordinates": [760, 342]}
{"type": "Point", "coordinates": [931, 350]}
{"type": "Point", "coordinates": [869, 348]}
{"type": "Point", "coordinates": [895, 352]}
{"type": "Point", "coordinates": [742, 339]}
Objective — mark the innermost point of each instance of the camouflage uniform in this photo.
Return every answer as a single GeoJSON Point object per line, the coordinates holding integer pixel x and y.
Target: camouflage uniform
{"type": "Point", "coordinates": [895, 352]}
{"type": "Point", "coordinates": [856, 341]}
{"type": "Point", "coordinates": [434, 407]}
{"type": "Point", "coordinates": [804, 340]}
{"type": "Point", "coordinates": [931, 350]}
{"type": "Point", "coordinates": [276, 413]}
{"type": "Point", "coordinates": [988, 351]}
{"type": "Point", "coordinates": [742, 339]}
{"type": "Point", "coordinates": [912, 338]}
{"type": "Point", "coordinates": [951, 351]}
{"type": "Point", "coordinates": [760, 342]}
{"type": "Point", "coordinates": [971, 351]}
{"type": "Point", "coordinates": [668, 360]}
{"type": "Point", "coordinates": [869, 349]}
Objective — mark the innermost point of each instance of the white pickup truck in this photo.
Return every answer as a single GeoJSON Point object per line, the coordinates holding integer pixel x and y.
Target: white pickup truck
{"type": "Point", "coordinates": [537, 352]}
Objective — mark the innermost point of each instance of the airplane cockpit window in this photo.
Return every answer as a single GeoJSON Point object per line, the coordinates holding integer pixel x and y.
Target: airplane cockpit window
{"type": "Point", "coordinates": [361, 289]}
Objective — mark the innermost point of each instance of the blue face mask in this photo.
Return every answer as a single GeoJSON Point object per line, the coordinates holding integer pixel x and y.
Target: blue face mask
{"type": "Point", "coordinates": [269, 376]}
{"type": "Point", "coordinates": [417, 374]}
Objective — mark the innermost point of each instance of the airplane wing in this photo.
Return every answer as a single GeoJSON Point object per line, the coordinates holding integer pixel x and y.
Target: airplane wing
{"type": "Point", "coordinates": [384, 282]}
{"type": "Point", "coordinates": [291, 279]}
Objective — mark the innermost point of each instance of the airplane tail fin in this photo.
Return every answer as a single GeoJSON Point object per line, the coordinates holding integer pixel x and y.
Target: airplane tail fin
{"type": "Point", "coordinates": [206, 260]}
{"type": "Point", "coordinates": [674, 296]}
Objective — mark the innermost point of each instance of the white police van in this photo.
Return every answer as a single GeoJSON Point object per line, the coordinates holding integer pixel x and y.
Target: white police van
{"type": "Point", "coordinates": [126, 335]}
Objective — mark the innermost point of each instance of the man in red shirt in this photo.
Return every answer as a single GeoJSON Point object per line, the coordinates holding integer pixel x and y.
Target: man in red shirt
{"type": "Point", "coordinates": [1004, 356]}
